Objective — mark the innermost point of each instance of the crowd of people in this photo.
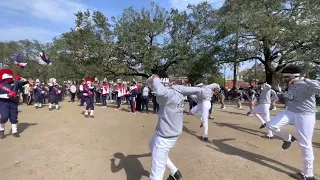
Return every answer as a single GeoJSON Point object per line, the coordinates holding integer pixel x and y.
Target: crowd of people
{"type": "Point", "coordinates": [168, 102]}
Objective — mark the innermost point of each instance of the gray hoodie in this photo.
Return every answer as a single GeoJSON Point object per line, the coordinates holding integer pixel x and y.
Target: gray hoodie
{"type": "Point", "coordinates": [265, 96]}
{"type": "Point", "coordinates": [301, 96]}
{"type": "Point", "coordinates": [207, 92]}
{"type": "Point", "coordinates": [171, 106]}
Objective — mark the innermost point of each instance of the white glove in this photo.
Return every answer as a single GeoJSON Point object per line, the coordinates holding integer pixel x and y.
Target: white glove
{"type": "Point", "coordinates": [59, 91]}
{"type": "Point", "coordinates": [42, 92]}
{"type": "Point", "coordinates": [85, 94]}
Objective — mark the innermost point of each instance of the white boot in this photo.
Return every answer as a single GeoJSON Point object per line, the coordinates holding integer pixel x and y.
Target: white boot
{"type": "Point", "coordinates": [40, 105]}
{"type": "Point", "coordinates": [50, 106]}
{"type": "Point", "coordinates": [2, 126]}
{"type": "Point", "coordinates": [36, 105]}
{"type": "Point", "coordinates": [86, 113]}
{"type": "Point", "coordinates": [14, 128]}
{"type": "Point", "coordinates": [91, 112]}
{"type": "Point", "coordinates": [57, 106]}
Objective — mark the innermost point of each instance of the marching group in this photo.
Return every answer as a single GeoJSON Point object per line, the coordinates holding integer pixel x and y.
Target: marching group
{"type": "Point", "coordinates": [168, 102]}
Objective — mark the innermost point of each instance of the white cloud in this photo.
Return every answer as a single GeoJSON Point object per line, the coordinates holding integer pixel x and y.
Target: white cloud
{"type": "Point", "coordinates": [182, 4]}
{"type": "Point", "coordinates": [19, 33]}
{"type": "Point", "coordinates": [60, 11]}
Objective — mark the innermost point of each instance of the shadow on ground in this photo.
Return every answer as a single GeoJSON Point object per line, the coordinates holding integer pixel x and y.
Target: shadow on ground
{"type": "Point", "coordinates": [23, 126]}
{"type": "Point", "coordinates": [130, 164]}
{"type": "Point", "coordinates": [245, 130]}
{"type": "Point", "coordinates": [316, 145]}
{"type": "Point", "coordinates": [225, 148]}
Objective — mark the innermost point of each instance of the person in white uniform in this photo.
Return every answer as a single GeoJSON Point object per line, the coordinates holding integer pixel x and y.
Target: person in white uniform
{"type": "Point", "coordinates": [301, 112]}
{"type": "Point", "coordinates": [264, 107]}
{"type": "Point", "coordinates": [169, 126]}
{"type": "Point", "coordinates": [204, 105]}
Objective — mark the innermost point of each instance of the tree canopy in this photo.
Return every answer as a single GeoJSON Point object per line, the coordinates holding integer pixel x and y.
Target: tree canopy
{"type": "Point", "coordinates": [194, 43]}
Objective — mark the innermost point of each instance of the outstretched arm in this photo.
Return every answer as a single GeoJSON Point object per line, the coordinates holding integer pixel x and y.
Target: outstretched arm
{"type": "Point", "coordinates": [213, 86]}
{"type": "Point", "coordinates": [313, 85]}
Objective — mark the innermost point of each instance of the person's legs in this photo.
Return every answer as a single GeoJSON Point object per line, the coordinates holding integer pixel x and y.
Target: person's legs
{"type": "Point", "coordinates": [205, 106]}
{"type": "Point", "coordinates": [160, 148]}
{"type": "Point", "coordinates": [304, 124]}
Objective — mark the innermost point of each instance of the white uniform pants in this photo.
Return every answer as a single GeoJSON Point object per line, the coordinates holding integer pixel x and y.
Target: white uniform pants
{"type": "Point", "coordinates": [264, 110]}
{"type": "Point", "coordinates": [304, 124]}
{"type": "Point", "coordinates": [204, 108]}
{"type": "Point", "coordinates": [160, 148]}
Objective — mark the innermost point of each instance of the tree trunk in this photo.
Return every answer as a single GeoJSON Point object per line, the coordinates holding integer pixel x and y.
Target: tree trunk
{"type": "Point", "coordinates": [270, 73]}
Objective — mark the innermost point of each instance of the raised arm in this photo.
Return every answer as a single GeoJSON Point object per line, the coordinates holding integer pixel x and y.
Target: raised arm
{"type": "Point", "coordinates": [158, 88]}
{"type": "Point", "coordinates": [313, 85]}
{"type": "Point", "coordinates": [186, 90]}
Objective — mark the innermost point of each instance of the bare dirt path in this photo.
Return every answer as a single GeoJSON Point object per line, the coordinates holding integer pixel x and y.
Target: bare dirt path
{"type": "Point", "coordinates": [63, 144]}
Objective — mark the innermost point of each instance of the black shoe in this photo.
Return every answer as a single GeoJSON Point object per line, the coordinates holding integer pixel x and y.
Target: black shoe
{"type": "Point", "coordinates": [91, 116]}
{"type": "Point", "coordinates": [50, 109]}
{"type": "Point", "coordinates": [36, 107]}
{"type": "Point", "coordinates": [176, 176]}
{"type": "Point", "coordinates": [204, 138]}
{"type": "Point", "coordinates": [16, 134]}
{"type": "Point", "coordinates": [263, 126]}
{"type": "Point", "coordinates": [287, 144]}
{"type": "Point", "coordinates": [2, 136]}
{"type": "Point", "coordinates": [201, 125]}
{"type": "Point", "coordinates": [87, 116]}
{"type": "Point", "coordinates": [300, 176]}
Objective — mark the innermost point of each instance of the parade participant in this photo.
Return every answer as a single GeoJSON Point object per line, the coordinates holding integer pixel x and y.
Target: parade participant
{"type": "Point", "coordinates": [204, 105]}
{"type": "Point", "coordinates": [222, 97]}
{"type": "Point", "coordinates": [81, 92]}
{"type": "Point", "coordinates": [274, 100]}
{"type": "Point", "coordinates": [88, 93]}
{"type": "Point", "coordinates": [9, 101]}
{"type": "Point", "coordinates": [263, 107]}
{"type": "Point", "coordinates": [98, 91]}
{"type": "Point", "coordinates": [251, 95]}
{"type": "Point", "coordinates": [133, 96]}
{"type": "Point", "coordinates": [119, 92]}
{"type": "Point", "coordinates": [38, 94]}
{"type": "Point", "coordinates": [105, 93]}
{"type": "Point", "coordinates": [169, 127]}
{"type": "Point", "coordinates": [301, 112]}
{"type": "Point", "coordinates": [73, 91]}
{"type": "Point", "coordinates": [54, 93]}
{"type": "Point", "coordinates": [145, 92]}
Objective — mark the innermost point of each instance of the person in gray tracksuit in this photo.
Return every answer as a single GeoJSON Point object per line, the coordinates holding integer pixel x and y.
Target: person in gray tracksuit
{"type": "Point", "coordinates": [301, 112]}
{"type": "Point", "coordinates": [264, 107]}
{"type": "Point", "coordinates": [204, 105]}
{"type": "Point", "coordinates": [169, 126]}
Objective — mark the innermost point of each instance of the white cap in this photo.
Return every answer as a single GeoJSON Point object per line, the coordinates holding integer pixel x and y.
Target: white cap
{"type": "Point", "coordinates": [199, 85]}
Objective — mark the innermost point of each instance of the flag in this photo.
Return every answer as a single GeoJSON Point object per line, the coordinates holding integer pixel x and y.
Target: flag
{"type": "Point", "coordinates": [17, 61]}
{"type": "Point", "coordinates": [45, 58]}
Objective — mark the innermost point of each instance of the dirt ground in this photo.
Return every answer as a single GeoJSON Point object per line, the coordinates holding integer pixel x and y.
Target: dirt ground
{"type": "Point", "coordinates": [63, 144]}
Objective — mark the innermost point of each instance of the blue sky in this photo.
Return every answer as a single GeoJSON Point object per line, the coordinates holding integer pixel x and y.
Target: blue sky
{"type": "Point", "coordinates": [45, 19]}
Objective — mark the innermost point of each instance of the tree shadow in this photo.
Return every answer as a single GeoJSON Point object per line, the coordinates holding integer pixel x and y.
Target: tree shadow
{"type": "Point", "coordinates": [221, 146]}
{"type": "Point", "coordinates": [131, 165]}
{"type": "Point", "coordinates": [243, 129]}
{"type": "Point", "coordinates": [316, 145]}
{"type": "Point", "coordinates": [237, 113]}
{"type": "Point", "coordinates": [23, 126]}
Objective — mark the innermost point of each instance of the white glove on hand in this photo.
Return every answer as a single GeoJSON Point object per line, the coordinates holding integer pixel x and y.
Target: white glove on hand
{"type": "Point", "coordinates": [85, 94]}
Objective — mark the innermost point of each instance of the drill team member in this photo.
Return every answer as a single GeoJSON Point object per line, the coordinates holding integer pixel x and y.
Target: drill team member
{"type": "Point", "coordinates": [264, 106]}
{"type": "Point", "coordinates": [9, 101]}
{"type": "Point", "coordinates": [88, 93]}
{"type": "Point", "coordinates": [204, 105]}
{"type": "Point", "coordinates": [54, 93]}
{"type": "Point", "coordinates": [38, 94]}
{"type": "Point", "coordinates": [169, 127]}
{"type": "Point", "coordinates": [301, 112]}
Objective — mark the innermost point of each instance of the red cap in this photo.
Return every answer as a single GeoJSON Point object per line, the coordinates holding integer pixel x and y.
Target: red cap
{"type": "Point", "coordinates": [89, 80]}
